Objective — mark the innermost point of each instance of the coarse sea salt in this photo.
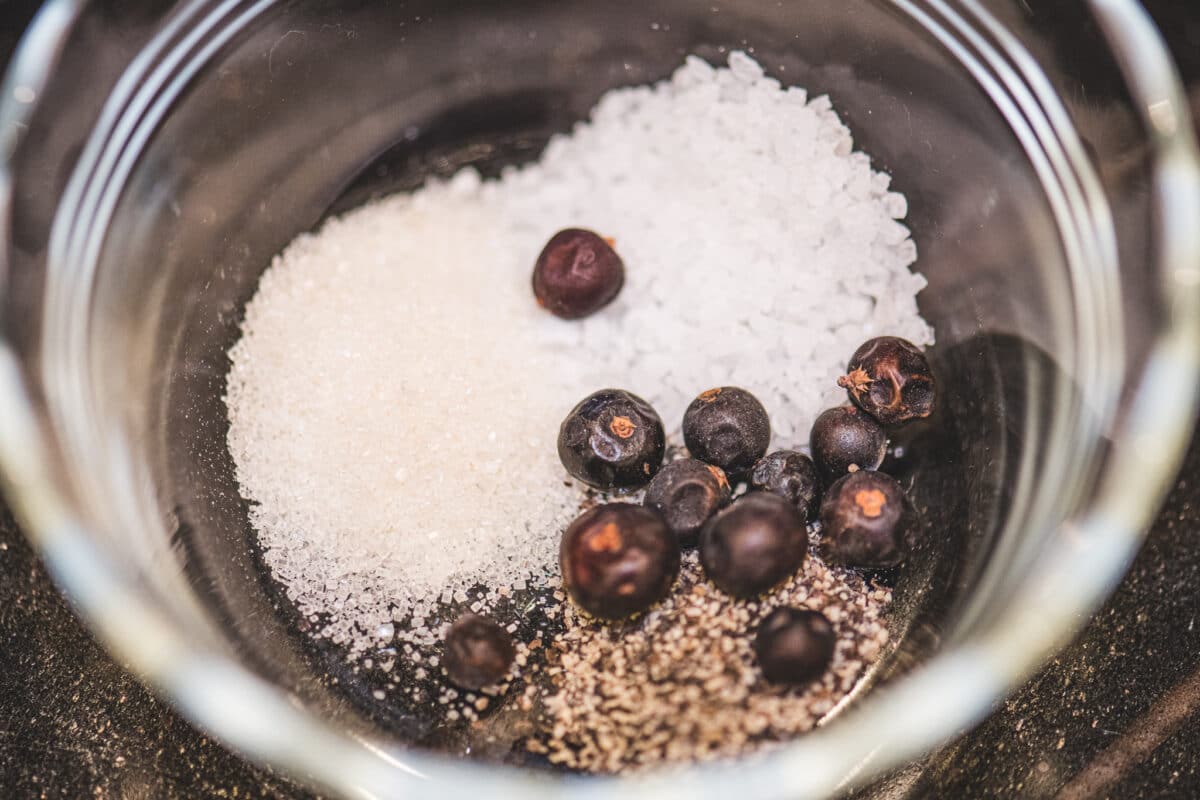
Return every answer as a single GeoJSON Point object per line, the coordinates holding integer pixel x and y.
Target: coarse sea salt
{"type": "Point", "coordinates": [396, 393]}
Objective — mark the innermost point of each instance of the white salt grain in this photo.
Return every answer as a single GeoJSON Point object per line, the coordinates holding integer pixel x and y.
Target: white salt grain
{"type": "Point", "coordinates": [396, 392]}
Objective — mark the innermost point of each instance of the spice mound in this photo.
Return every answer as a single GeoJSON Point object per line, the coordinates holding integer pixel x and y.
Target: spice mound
{"type": "Point", "coordinates": [682, 684]}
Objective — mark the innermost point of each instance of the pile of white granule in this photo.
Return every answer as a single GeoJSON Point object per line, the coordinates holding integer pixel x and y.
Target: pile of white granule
{"type": "Point", "coordinates": [396, 394]}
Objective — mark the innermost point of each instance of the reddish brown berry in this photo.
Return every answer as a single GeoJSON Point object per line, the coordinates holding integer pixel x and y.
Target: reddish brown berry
{"type": "Point", "coordinates": [612, 440]}
{"type": "Point", "coordinates": [845, 439]}
{"type": "Point", "coordinates": [866, 521]}
{"type": "Point", "coordinates": [890, 379]}
{"type": "Point", "coordinates": [577, 274]}
{"type": "Point", "coordinates": [754, 544]}
{"type": "Point", "coordinates": [727, 427]}
{"type": "Point", "coordinates": [791, 475]}
{"type": "Point", "coordinates": [478, 652]}
{"type": "Point", "coordinates": [794, 646]}
{"type": "Point", "coordinates": [687, 493]}
{"type": "Point", "coordinates": [618, 559]}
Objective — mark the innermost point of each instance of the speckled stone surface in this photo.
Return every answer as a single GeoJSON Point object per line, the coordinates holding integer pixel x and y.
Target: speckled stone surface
{"type": "Point", "coordinates": [74, 724]}
{"type": "Point", "coordinates": [1116, 715]}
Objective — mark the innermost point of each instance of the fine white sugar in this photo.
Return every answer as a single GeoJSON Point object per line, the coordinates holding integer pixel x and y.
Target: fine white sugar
{"type": "Point", "coordinates": [396, 393]}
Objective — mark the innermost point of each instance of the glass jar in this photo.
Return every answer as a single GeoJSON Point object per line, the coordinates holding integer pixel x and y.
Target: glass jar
{"type": "Point", "coordinates": [157, 158]}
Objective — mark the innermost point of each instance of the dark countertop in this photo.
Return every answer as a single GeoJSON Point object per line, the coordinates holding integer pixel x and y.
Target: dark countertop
{"type": "Point", "coordinates": [1115, 715]}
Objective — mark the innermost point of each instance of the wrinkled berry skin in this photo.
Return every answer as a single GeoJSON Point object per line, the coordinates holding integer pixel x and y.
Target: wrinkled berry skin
{"type": "Point", "coordinates": [618, 559]}
{"type": "Point", "coordinates": [477, 653]}
{"type": "Point", "coordinates": [687, 493]}
{"type": "Point", "coordinates": [577, 274]}
{"type": "Point", "coordinates": [727, 428]}
{"type": "Point", "coordinates": [791, 475]}
{"type": "Point", "coordinates": [754, 544]}
{"type": "Point", "coordinates": [794, 646]}
{"type": "Point", "coordinates": [845, 437]}
{"type": "Point", "coordinates": [866, 521]}
{"type": "Point", "coordinates": [890, 379]}
{"type": "Point", "coordinates": [612, 440]}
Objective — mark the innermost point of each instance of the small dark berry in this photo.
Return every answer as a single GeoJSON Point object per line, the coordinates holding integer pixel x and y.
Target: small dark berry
{"type": "Point", "coordinates": [792, 476]}
{"type": "Point", "coordinates": [843, 438]}
{"type": "Point", "coordinates": [478, 652]}
{"type": "Point", "coordinates": [612, 440]}
{"type": "Point", "coordinates": [577, 274]}
{"type": "Point", "coordinates": [754, 544]}
{"type": "Point", "coordinates": [728, 428]}
{"type": "Point", "coordinates": [687, 493]}
{"type": "Point", "coordinates": [618, 559]}
{"type": "Point", "coordinates": [866, 521]}
{"type": "Point", "coordinates": [890, 379]}
{"type": "Point", "coordinates": [794, 646]}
